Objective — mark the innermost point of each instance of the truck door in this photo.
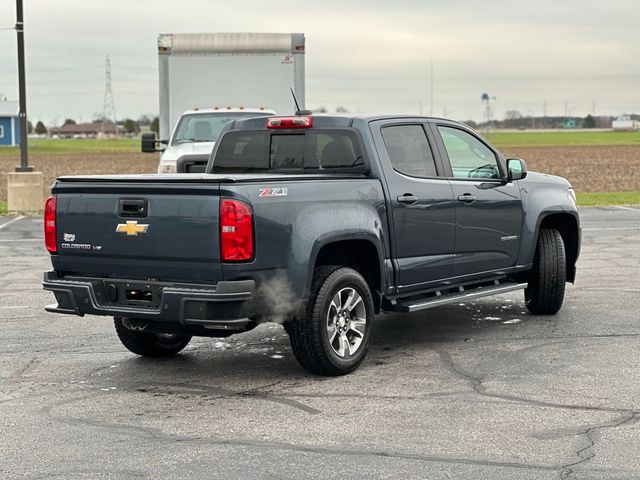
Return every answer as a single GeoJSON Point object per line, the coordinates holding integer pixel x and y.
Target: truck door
{"type": "Point", "coordinates": [488, 211]}
{"type": "Point", "coordinates": [421, 199]}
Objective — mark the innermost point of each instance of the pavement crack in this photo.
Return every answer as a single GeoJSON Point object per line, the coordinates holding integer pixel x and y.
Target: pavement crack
{"type": "Point", "coordinates": [259, 393]}
{"type": "Point", "coordinates": [255, 392]}
{"type": "Point", "coordinates": [115, 428]}
{"type": "Point", "coordinates": [586, 452]}
{"type": "Point", "coordinates": [476, 382]}
{"type": "Point", "coordinates": [25, 367]}
{"type": "Point", "coordinates": [157, 435]}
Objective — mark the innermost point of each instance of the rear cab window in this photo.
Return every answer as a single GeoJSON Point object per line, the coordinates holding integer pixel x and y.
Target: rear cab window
{"type": "Point", "coordinates": [290, 151]}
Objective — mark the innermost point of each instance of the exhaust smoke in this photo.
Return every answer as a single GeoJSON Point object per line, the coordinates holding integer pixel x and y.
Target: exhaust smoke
{"type": "Point", "coordinates": [276, 300]}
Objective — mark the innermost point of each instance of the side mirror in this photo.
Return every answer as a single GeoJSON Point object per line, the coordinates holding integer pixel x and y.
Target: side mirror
{"type": "Point", "coordinates": [149, 143]}
{"type": "Point", "coordinates": [516, 169]}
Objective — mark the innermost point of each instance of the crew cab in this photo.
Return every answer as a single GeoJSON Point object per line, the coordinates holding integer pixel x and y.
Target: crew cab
{"type": "Point", "coordinates": [320, 222]}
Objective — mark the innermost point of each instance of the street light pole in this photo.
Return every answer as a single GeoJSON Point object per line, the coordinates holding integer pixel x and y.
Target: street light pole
{"type": "Point", "coordinates": [24, 159]}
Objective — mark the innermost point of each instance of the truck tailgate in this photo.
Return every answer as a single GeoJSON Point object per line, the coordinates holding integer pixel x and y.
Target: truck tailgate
{"type": "Point", "coordinates": [139, 230]}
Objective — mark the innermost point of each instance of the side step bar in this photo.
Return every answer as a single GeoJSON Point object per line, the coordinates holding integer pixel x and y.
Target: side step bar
{"type": "Point", "coordinates": [438, 297]}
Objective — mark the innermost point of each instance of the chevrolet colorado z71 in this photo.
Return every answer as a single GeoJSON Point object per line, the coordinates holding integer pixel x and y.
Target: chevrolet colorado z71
{"type": "Point", "coordinates": [321, 221]}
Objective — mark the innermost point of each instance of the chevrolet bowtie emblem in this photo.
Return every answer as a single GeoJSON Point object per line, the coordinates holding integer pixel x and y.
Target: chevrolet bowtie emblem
{"type": "Point", "coordinates": [131, 228]}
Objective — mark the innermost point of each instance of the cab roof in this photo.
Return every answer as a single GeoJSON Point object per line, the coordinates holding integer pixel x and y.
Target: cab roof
{"type": "Point", "coordinates": [329, 121]}
{"type": "Point", "coordinates": [226, 109]}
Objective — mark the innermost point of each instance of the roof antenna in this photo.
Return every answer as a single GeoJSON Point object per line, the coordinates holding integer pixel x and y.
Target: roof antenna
{"type": "Point", "coordinates": [295, 100]}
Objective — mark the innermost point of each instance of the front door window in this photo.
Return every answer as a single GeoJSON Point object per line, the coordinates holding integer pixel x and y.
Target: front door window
{"type": "Point", "coordinates": [469, 157]}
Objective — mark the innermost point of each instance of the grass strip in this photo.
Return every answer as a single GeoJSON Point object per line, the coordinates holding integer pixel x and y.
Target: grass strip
{"type": "Point", "coordinates": [597, 199]}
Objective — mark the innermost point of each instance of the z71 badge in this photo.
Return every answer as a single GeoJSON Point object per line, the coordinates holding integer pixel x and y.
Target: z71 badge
{"type": "Point", "coordinates": [273, 192]}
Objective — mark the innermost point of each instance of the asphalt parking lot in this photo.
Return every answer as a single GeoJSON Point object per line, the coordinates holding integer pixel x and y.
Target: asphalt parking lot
{"type": "Point", "coordinates": [478, 390]}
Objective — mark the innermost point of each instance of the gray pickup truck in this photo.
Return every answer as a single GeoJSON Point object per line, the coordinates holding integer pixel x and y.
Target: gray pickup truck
{"type": "Point", "coordinates": [319, 222]}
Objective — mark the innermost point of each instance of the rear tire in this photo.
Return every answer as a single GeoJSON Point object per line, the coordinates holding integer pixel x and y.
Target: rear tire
{"type": "Point", "coordinates": [545, 293]}
{"type": "Point", "coordinates": [150, 344]}
{"type": "Point", "coordinates": [334, 335]}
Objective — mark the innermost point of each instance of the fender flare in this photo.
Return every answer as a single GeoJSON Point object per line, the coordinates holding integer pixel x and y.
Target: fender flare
{"type": "Point", "coordinates": [328, 239]}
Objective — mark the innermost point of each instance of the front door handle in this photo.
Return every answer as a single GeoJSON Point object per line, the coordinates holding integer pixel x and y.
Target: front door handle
{"type": "Point", "coordinates": [467, 198]}
{"type": "Point", "coordinates": [407, 198]}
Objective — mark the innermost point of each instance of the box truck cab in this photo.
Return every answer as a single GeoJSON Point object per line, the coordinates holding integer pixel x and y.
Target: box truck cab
{"type": "Point", "coordinates": [194, 136]}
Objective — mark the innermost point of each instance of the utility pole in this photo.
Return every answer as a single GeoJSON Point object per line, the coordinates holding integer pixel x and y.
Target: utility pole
{"type": "Point", "coordinates": [24, 186]}
{"type": "Point", "coordinates": [431, 89]}
{"type": "Point", "coordinates": [22, 115]}
{"type": "Point", "coordinates": [533, 117]}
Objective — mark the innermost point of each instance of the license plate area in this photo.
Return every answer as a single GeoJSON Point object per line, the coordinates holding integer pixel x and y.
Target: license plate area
{"type": "Point", "coordinates": [135, 294]}
{"type": "Point", "coordinates": [139, 295]}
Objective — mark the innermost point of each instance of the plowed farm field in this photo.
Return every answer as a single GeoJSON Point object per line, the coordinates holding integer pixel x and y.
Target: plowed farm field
{"type": "Point", "coordinates": [613, 168]}
{"type": "Point", "coordinates": [53, 166]}
{"type": "Point", "coordinates": [588, 168]}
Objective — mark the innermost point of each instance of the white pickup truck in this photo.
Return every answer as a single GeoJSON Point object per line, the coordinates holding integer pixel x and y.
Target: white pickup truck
{"type": "Point", "coordinates": [192, 141]}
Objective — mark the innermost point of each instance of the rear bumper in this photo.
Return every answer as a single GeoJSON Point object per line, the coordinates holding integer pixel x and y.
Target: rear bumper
{"type": "Point", "coordinates": [226, 305]}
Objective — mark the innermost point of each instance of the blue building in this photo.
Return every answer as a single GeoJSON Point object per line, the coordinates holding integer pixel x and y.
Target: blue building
{"type": "Point", "coordinates": [9, 123]}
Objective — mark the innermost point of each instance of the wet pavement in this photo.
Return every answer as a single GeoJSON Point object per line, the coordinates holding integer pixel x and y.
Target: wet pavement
{"type": "Point", "coordinates": [477, 390]}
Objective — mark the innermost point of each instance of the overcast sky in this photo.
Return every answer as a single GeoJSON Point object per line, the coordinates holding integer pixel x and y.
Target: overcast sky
{"type": "Point", "coordinates": [366, 55]}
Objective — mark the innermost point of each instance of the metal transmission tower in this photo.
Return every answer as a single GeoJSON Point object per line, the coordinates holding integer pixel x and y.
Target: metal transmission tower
{"type": "Point", "coordinates": [109, 109]}
{"type": "Point", "coordinates": [488, 111]}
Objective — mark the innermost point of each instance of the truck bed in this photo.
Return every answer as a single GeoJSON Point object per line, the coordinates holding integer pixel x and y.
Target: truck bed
{"type": "Point", "coordinates": [201, 178]}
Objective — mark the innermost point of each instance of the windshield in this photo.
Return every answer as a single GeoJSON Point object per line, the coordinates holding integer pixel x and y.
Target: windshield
{"type": "Point", "coordinates": [205, 127]}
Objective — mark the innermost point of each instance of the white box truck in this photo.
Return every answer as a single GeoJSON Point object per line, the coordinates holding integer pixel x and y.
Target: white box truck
{"type": "Point", "coordinates": [207, 79]}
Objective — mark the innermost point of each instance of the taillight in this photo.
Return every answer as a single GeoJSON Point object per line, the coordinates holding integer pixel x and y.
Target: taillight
{"type": "Point", "coordinates": [236, 231]}
{"type": "Point", "coordinates": [50, 225]}
{"type": "Point", "coordinates": [290, 122]}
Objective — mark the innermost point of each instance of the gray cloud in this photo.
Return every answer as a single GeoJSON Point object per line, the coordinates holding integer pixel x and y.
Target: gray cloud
{"type": "Point", "coordinates": [371, 56]}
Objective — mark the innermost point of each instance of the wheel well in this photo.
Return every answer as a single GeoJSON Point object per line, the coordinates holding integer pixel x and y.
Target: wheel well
{"type": "Point", "coordinates": [567, 225]}
{"type": "Point", "coordinates": [361, 255]}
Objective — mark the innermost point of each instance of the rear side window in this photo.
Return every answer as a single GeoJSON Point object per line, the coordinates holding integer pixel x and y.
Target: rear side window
{"type": "Point", "coordinates": [308, 151]}
{"type": "Point", "coordinates": [409, 150]}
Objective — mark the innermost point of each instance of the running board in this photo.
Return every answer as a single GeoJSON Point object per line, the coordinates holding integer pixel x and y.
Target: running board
{"type": "Point", "coordinates": [439, 298]}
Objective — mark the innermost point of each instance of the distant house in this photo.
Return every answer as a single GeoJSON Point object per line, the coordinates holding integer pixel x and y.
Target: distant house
{"type": "Point", "coordinates": [9, 123]}
{"type": "Point", "coordinates": [87, 130]}
{"type": "Point", "coordinates": [624, 122]}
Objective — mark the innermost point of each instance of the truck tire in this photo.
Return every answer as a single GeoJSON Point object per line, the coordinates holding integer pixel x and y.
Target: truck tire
{"type": "Point", "coordinates": [545, 292]}
{"type": "Point", "coordinates": [334, 335]}
{"type": "Point", "coordinates": [150, 344]}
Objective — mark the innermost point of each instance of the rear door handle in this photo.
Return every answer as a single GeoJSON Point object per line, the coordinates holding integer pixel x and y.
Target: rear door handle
{"type": "Point", "coordinates": [467, 198]}
{"type": "Point", "coordinates": [407, 198]}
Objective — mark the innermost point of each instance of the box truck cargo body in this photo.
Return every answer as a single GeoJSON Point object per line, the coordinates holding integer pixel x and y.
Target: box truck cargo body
{"type": "Point", "coordinates": [229, 70]}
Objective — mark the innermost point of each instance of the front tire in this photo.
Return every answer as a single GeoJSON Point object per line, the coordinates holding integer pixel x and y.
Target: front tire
{"type": "Point", "coordinates": [334, 335]}
{"type": "Point", "coordinates": [545, 293]}
{"type": "Point", "coordinates": [150, 344]}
